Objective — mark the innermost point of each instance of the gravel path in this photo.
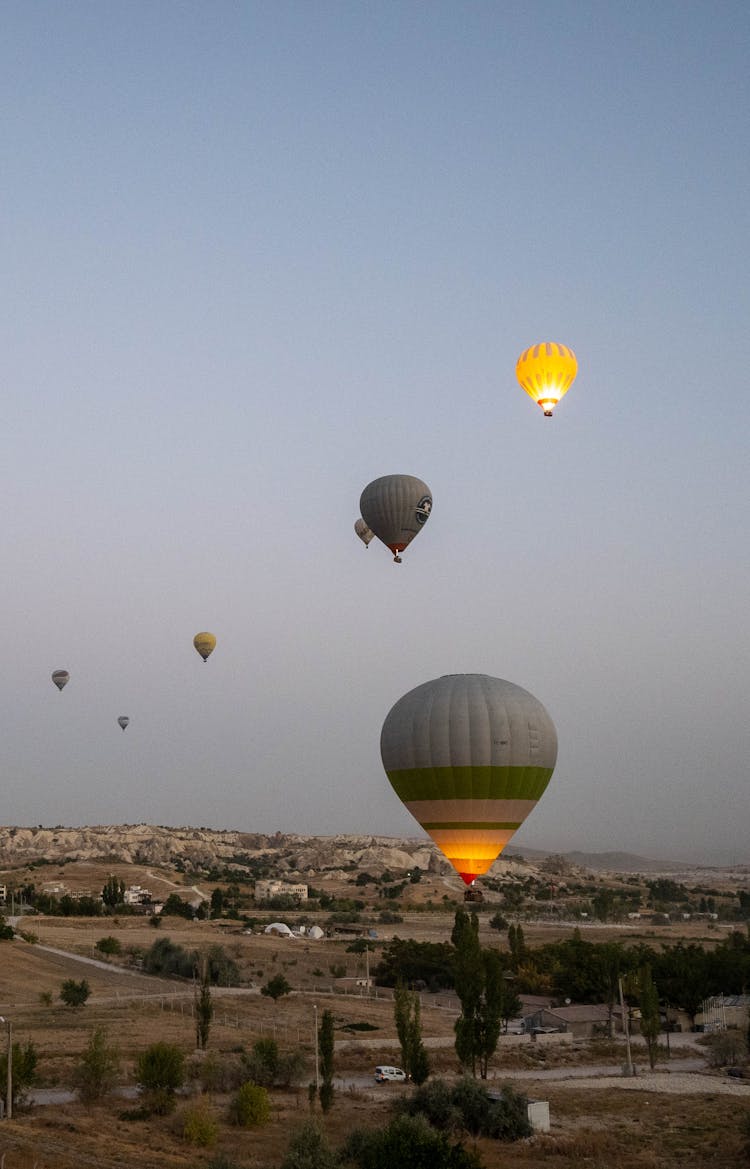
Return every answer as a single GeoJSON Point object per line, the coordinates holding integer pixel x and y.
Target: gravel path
{"type": "Point", "coordinates": [673, 1083]}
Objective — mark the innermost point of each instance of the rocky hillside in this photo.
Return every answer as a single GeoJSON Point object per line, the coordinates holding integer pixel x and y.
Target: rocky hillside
{"type": "Point", "coordinates": [199, 848]}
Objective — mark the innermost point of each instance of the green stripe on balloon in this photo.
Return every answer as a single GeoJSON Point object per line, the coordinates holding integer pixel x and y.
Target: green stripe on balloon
{"type": "Point", "coordinates": [470, 783]}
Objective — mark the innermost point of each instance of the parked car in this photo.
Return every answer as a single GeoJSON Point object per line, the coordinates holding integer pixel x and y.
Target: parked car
{"type": "Point", "coordinates": [385, 1075]}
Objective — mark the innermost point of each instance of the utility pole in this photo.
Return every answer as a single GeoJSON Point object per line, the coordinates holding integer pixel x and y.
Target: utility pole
{"type": "Point", "coordinates": [317, 1061]}
{"type": "Point", "coordinates": [9, 1086]}
{"type": "Point", "coordinates": [630, 1071]}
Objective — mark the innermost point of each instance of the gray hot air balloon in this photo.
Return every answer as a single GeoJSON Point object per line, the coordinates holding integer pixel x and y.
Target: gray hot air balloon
{"type": "Point", "coordinates": [60, 678]}
{"type": "Point", "coordinates": [123, 721]}
{"type": "Point", "coordinates": [364, 533]}
{"type": "Point", "coordinates": [396, 508]}
{"type": "Point", "coordinates": [469, 756]}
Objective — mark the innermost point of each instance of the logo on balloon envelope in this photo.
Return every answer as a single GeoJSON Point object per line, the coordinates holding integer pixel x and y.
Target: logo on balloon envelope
{"type": "Point", "coordinates": [424, 507]}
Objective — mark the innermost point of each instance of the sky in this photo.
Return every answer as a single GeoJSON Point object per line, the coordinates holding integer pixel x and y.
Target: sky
{"type": "Point", "coordinates": [256, 255]}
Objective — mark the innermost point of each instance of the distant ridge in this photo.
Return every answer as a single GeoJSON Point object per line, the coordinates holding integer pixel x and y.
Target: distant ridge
{"type": "Point", "coordinates": [160, 844]}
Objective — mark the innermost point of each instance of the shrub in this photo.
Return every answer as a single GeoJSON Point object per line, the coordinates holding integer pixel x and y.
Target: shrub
{"type": "Point", "coordinates": [199, 1127]}
{"type": "Point", "coordinates": [74, 994]}
{"type": "Point", "coordinates": [469, 1107]}
{"type": "Point", "coordinates": [23, 1066]}
{"type": "Point", "coordinates": [249, 1108]}
{"type": "Point", "coordinates": [410, 1143]}
{"type": "Point", "coordinates": [276, 987]}
{"type": "Point", "coordinates": [433, 1101]}
{"type": "Point", "coordinates": [215, 1074]}
{"type": "Point", "coordinates": [160, 1071]}
{"type": "Point", "coordinates": [309, 1149]}
{"type": "Point", "coordinates": [109, 945]}
{"type": "Point", "coordinates": [97, 1072]}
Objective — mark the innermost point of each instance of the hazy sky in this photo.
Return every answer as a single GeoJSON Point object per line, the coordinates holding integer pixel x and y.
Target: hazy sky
{"type": "Point", "coordinates": [256, 255]}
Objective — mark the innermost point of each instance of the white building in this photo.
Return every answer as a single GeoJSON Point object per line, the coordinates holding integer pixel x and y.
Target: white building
{"type": "Point", "coordinates": [265, 890]}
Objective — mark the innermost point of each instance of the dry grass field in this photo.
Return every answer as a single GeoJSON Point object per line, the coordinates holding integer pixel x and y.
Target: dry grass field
{"type": "Point", "coordinates": [595, 1127]}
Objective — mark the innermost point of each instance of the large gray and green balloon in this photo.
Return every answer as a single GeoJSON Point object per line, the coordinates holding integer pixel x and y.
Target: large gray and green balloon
{"type": "Point", "coordinates": [396, 508]}
{"type": "Point", "coordinates": [469, 756]}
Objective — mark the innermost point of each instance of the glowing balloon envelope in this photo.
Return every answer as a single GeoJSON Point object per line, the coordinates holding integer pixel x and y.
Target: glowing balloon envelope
{"type": "Point", "coordinates": [546, 372]}
{"type": "Point", "coordinates": [469, 756]}
{"type": "Point", "coordinates": [60, 678]}
{"type": "Point", "coordinates": [396, 508]}
{"type": "Point", "coordinates": [123, 721]}
{"type": "Point", "coordinates": [205, 643]}
{"type": "Point", "coordinates": [364, 533]}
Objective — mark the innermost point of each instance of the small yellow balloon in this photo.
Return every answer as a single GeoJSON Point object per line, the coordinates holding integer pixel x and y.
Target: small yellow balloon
{"type": "Point", "coordinates": [546, 372]}
{"type": "Point", "coordinates": [205, 643]}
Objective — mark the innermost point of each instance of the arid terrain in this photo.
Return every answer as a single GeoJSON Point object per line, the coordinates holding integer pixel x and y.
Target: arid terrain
{"type": "Point", "coordinates": [672, 1118]}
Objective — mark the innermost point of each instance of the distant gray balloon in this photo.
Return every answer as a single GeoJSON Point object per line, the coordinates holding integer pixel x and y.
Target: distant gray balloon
{"type": "Point", "coordinates": [363, 532]}
{"type": "Point", "coordinates": [123, 721]}
{"type": "Point", "coordinates": [60, 678]}
{"type": "Point", "coordinates": [396, 508]}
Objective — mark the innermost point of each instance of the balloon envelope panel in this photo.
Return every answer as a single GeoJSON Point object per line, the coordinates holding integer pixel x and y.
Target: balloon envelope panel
{"type": "Point", "coordinates": [469, 755]}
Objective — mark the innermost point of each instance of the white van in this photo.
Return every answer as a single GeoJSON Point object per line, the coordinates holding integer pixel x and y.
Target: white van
{"type": "Point", "coordinates": [384, 1075]}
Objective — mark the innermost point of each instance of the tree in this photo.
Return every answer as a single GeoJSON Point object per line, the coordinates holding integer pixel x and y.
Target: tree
{"type": "Point", "coordinates": [23, 1064]}
{"type": "Point", "coordinates": [650, 1017]}
{"type": "Point", "coordinates": [249, 1107]}
{"type": "Point", "coordinates": [276, 987]}
{"type": "Point", "coordinates": [407, 1014]}
{"type": "Point", "coordinates": [74, 994]}
{"type": "Point", "coordinates": [468, 974]}
{"type": "Point", "coordinates": [516, 945]}
{"type": "Point", "coordinates": [481, 989]}
{"type": "Point", "coordinates": [325, 1047]}
{"type": "Point", "coordinates": [262, 1064]}
{"type": "Point", "coordinates": [174, 906]}
{"type": "Point", "coordinates": [204, 1008]}
{"type": "Point", "coordinates": [98, 1069]}
{"type": "Point", "coordinates": [267, 1066]}
{"type": "Point", "coordinates": [113, 893]}
{"type": "Point", "coordinates": [160, 1071]}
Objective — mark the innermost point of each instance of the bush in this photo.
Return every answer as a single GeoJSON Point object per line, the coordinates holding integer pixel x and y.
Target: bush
{"type": "Point", "coordinates": [433, 1101]}
{"type": "Point", "coordinates": [410, 1143]}
{"type": "Point", "coordinates": [469, 1107]}
{"type": "Point", "coordinates": [250, 1108]}
{"type": "Point", "coordinates": [97, 1072]}
{"type": "Point", "coordinates": [160, 1071]}
{"type": "Point", "coordinates": [74, 994]}
{"type": "Point", "coordinates": [267, 1066]}
{"type": "Point", "coordinates": [215, 1074]}
{"type": "Point", "coordinates": [199, 1127]}
{"type": "Point", "coordinates": [309, 1149]}
{"type": "Point", "coordinates": [109, 945]}
{"type": "Point", "coordinates": [24, 1060]}
{"type": "Point", "coordinates": [276, 987]}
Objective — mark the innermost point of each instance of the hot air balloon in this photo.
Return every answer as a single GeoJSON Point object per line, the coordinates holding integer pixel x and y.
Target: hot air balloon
{"type": "Point", "coordinates": [60, 678]}
{"type": "Point", "coordinates": [546, 372]}
{"type": "Point", "coordinates": [205, 643]}
{"type": "Point", "coordinates": [123, 721]}
{"type": "Point", "coordinates": [469, 756]}
{"type": "Point", "coordinates": [396, 508]}
{"type": "Point", "coordinates": [364, 533]}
